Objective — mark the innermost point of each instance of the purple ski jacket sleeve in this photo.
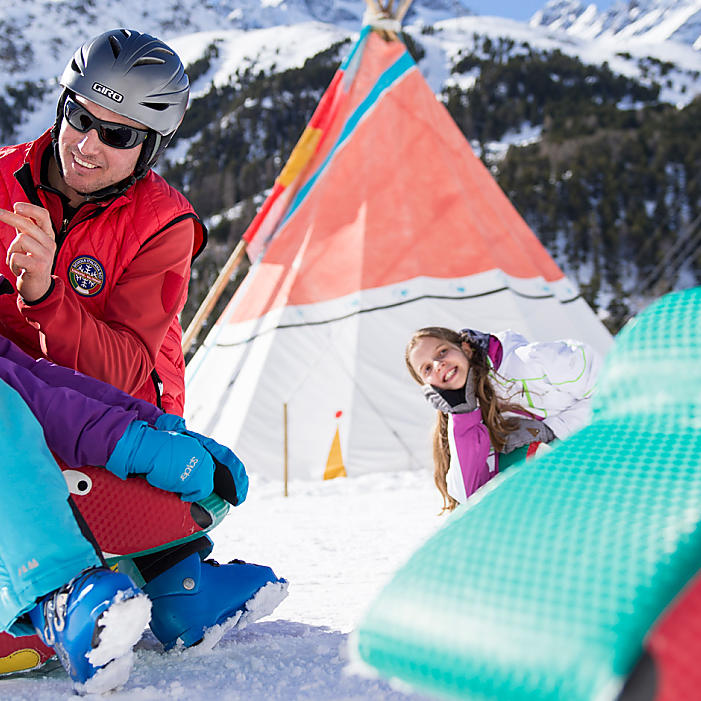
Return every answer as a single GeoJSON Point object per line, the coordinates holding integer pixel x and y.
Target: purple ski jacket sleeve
{"type": "Point", "coordinates": [82, 418]}
{"type": "Point", "coordinates": [59, 376]}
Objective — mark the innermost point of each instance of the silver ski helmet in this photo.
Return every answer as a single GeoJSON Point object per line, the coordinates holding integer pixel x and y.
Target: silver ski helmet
{"type": "Point", "coordinates": [135, 75]}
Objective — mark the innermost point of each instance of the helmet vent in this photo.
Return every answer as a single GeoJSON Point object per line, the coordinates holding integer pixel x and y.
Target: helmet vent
{"type": "Point", "coordinates": [158, 106]}
{"type": "Point", "coordinates": [148, 60]}
{"type": "Point", "coordinates": [115, 46]}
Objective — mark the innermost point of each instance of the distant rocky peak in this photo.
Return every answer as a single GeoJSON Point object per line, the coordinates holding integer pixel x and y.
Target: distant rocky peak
{"type": "Point", "coordinates": [646, 20]}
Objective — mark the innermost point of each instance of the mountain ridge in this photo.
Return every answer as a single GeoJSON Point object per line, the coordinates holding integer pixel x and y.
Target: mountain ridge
{"type": "Point", "coordinates": [646, 20]}
{"type": "Point", "coordinates": [33, 52]}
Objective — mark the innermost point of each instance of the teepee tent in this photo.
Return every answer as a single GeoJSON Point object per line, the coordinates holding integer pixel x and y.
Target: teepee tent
{"type": "Point", "coordinates": [382, 221]}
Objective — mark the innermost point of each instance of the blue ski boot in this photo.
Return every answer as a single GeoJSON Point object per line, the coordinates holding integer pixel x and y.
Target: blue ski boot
{"type": "Point", "coordinates": [93, 622]}
{"type": "Point", "coordinates": [197, 602]}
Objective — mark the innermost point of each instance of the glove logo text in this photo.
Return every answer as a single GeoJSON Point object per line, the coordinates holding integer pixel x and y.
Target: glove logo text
{"type": "Point", "coordinates": [189, 468]}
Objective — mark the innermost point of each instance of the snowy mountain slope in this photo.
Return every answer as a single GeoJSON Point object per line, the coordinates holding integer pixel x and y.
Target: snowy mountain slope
{"type": "Point", "coordinates": [267, 49]}
{"type": "Point", "coordinates": [38, 35]}
{"type": "Point", "coordinates": [648, 20]}
{"type": "Point", "coordinates": [675, 66]}
{"type": "Point", "coordinates": [34, 52]}
{"type": "Point", "coordinates": [337, 542]}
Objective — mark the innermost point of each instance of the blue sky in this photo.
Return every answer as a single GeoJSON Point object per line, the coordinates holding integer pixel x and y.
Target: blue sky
{"type": "Point", "coordinates": [518, 9]}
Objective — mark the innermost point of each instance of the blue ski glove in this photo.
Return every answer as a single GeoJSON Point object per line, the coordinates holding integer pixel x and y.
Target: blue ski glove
{"type": "Point", "coordinates": [171, 422]}
{"type": "Point", "coordinates": [230, 478]}
{"type": "Point", "coordinates": [171, 461]}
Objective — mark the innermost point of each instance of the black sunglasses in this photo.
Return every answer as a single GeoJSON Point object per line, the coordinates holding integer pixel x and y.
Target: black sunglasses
{"type": "Point", "coordinates": [110, 133]}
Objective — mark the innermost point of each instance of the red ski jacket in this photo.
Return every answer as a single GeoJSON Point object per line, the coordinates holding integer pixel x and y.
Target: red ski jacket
{"type": "Point", "coordinates": [120, 279]}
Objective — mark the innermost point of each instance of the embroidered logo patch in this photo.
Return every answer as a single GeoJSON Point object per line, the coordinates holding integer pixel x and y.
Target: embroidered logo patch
{"type": "Point", "coordinates": [86, 275]}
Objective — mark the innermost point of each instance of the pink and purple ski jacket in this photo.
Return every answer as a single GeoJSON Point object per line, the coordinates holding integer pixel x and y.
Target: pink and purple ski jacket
{"type": "Point", "coordinates": [551, 380]}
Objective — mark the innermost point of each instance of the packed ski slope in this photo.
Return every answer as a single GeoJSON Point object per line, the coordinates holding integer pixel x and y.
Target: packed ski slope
{"type": "Point", "coordinates": [336, 542]}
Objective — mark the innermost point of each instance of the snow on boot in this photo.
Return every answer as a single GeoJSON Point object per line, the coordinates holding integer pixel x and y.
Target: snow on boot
{"type": "Point", "coordinates": [22, 654]}
{"type": "Point", "coordinates": [93, 622]}
{"type": "Point", "coordinates": [197, 602]}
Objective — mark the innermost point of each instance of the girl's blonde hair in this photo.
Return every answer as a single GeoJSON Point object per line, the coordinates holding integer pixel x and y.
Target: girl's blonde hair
{"type": "Point", "coordinates": [498, 425]}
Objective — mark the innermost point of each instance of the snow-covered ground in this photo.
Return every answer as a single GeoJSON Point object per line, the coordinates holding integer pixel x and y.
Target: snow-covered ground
{"type": "Point", "coordinates": [337, 543]}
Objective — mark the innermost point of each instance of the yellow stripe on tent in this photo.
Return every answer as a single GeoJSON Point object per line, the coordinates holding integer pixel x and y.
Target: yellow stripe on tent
{"type": "Point", "coordinates": [302, 152]}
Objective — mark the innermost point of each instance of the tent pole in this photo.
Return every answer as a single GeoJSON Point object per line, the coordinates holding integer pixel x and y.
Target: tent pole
{"type": "Point", "coordinates": [284, 423]}
{"type": "Point", "coordinates": [403, 9]}
{"type": "Point", "coordinates": [385, 11]}
{"type": "Point", "coordinates": [213, 295]}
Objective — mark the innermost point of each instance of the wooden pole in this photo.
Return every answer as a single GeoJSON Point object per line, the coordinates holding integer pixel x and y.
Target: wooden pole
{"type": "Point", "coordinates": [403, 9]}
{"type": "Point", "coordinates": [213, 295]}
{"type": "Point", "coordinates": [284, 423]}
{"type": "Point", "coordinates": [385, 11]}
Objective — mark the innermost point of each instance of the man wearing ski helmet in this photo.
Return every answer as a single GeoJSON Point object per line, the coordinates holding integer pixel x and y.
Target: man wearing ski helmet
{"type": "Point", "coordinates": [95, 253]}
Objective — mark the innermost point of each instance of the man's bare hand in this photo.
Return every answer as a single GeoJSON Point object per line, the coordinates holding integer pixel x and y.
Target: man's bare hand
{"type": "Point", "coordinates": [31, 254]}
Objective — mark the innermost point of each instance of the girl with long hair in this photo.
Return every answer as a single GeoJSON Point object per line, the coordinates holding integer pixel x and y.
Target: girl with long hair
{"type": "Point", "coordinates": [498, 399]}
